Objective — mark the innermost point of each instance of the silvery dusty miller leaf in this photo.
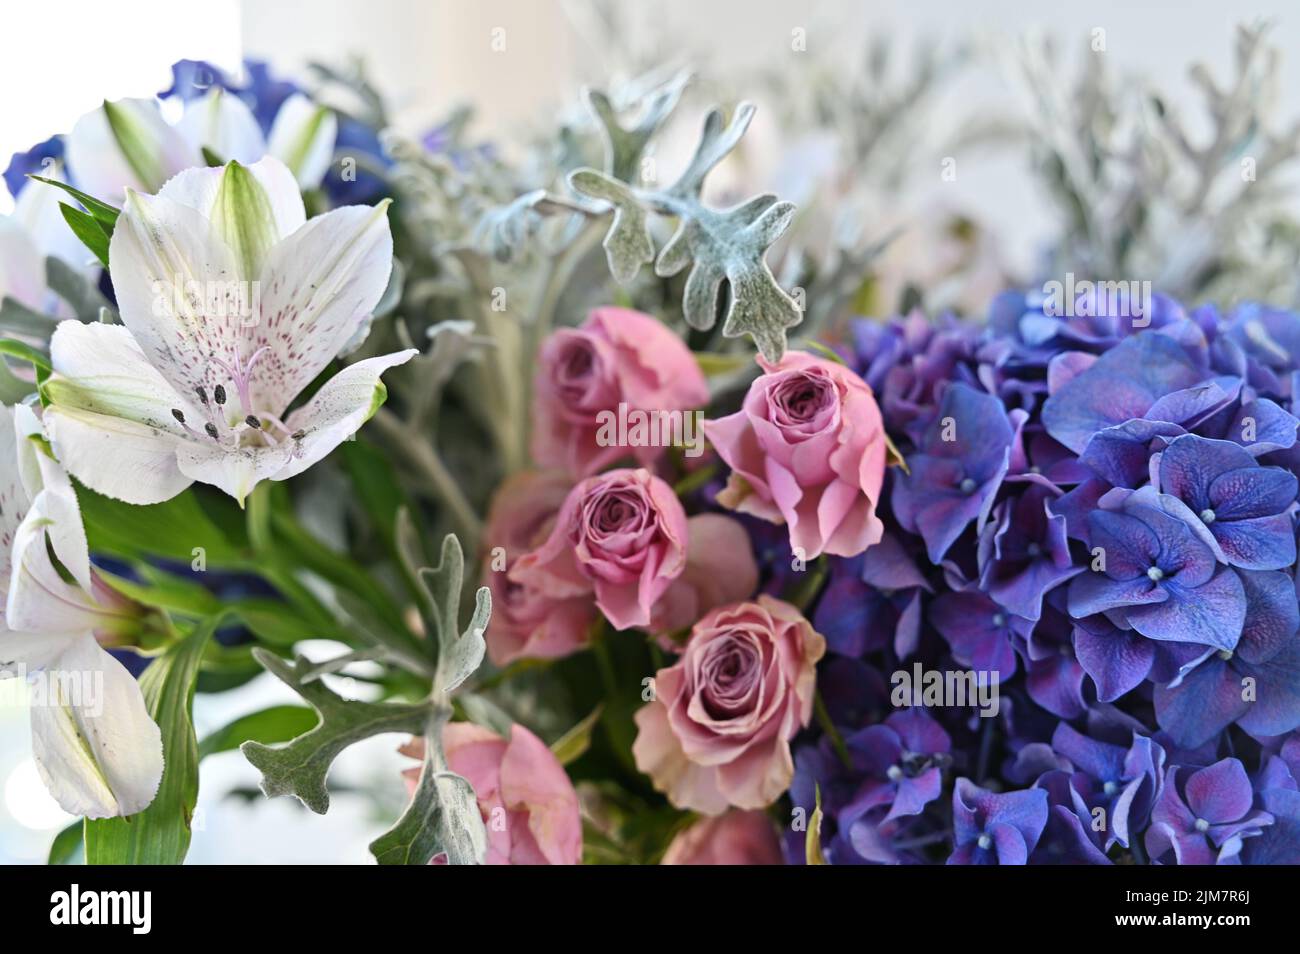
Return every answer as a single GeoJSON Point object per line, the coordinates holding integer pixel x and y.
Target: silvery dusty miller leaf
{"type": "Point", "coordinates": [300, 767]}
{"type": "Point", "coordinates": [459, 655]}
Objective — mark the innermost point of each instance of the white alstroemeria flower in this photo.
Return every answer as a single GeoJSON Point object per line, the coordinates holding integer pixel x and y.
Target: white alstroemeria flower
{"type": "Point", "coordinates": [128, 144]}
{"type": "Point", "coordinates": [231, 303]}
{"type": "Point", "coordinates": [302, 135]}
{"type": "Point", "coordinates": [123, 145]}
{"type": "Point", "coordinates": [96, 748]}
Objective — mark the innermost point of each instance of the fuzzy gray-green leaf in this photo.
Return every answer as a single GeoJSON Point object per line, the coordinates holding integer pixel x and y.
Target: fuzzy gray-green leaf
{"type": "Point", "coordinates": [627, 244]}
{"type": "Point", "coordinates": [300, 767]}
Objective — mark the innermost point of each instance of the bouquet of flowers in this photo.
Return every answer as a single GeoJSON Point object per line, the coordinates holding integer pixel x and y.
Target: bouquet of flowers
{"type": "Point", "coordinates": [645, 578]}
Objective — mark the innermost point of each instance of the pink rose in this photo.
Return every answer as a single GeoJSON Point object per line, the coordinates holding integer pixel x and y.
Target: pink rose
{"type": "Point", "coordinates": [526, 622]}
{"type": "Point", "coordinates": [720, 569]}
{"type": "Point", "coordinates": [735, 838]}
{"type": "Point", "coordinates": [807, 448]}
{"type": "Point", "coordinates": [718, 732]}
{"type": "Point", "coordinates": [526, 799]}
{"type": "Point", "coordinates": [616, 356]}
{"type": "Point", "coordinates": [621, 535]}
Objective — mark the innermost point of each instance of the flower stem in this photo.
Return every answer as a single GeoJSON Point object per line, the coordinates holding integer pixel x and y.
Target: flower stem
{"type": "Point", "coordinates": [441, 485]}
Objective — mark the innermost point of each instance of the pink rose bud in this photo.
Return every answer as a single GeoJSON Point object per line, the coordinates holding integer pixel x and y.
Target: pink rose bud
{"type": "Point", "coordinates": [807, 448]}
{"type": "Point", "coordinates": [720, 569]}
{"type": "Point", "coordinates": [717, 733]}
{"type": "Point", "coordinates": [528, 804]}
{"type": "Point", "coordinates": [621, 535]}
{"type": "Point", "coordinates": [526, 622]}
{"type": "Point", "coordinates": [617, 357]}
{"type": "Point", "coordinates": [735, 838]}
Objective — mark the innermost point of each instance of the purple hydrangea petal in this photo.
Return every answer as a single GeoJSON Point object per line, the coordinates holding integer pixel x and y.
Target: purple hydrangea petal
{"type": "Point", "coordinates": [1206, 702]}
{"type": "Point", "coordinates": [1276, 707]}
{"type": "Point", "coordinates": [916, 793]}
{"type": "Point", "coordinates": [919, 732]}
{"type": "Point", "coordinates": [1211, 614]}
{"type": "Point", "coordinates": [1116, 659]}
{"type": "Point", "coordinates": [1272, 615]}
{"type": "Point", "coordinates": [1120, 386]}
{"type": "Point", "coordinates": [1219, 793]}
{"type": "Point", "coordinates": [1262, 543]}
{"type": "Point", "coordinates": [1189, 465]}
{"type": "Point", "coordinates": [1251, 492]}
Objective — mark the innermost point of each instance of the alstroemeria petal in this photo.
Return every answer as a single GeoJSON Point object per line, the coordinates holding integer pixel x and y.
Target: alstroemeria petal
{"type": "Point", "coordinates": [59, 501]}
{"type": "Point", "coordinates": [115, 457]}
{"type": "Point", "coordinates": [110, 419]}
{"type": "Point", "coordinates": [317, 287]}
{"type": "Point", "coordinates": [235, 470]}
{"type": "Point", "coordinates": [39, 599]}
{"type": "Point", "coordinates": [225, 125]}
{"type": "Point", "coordinates": [303, 136]}
{"type": "Point", "coordinates": [180, 291]}
{"type": "Point", "coordinates": [125, 145]}
{"type": "Point", "coordinates": [199, 189]}
{"type": "Point", "coordinates": [97, 750]}
{"type": "Point", "coordinates": [338, 409]}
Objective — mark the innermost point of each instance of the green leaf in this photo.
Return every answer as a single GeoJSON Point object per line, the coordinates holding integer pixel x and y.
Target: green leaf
{"type": "Point", "coordinates": [102, 211]}
{"type": "Point", "coordinates": [571, 746]}
{"type": "Point", "coordinates": [459, 654]}
{"type": "Point", "coordinates": [25, 352]}
{"type": "Point", "coordinates": [443, 816]}
{"type": "Point", "coordinates": [161, 833]}
{"type": "Point", "coordinates": [300, 767]}
{"type": "Point", "coordinates": [69, 846]}
{"type": "Point", "coordinates": [731, 245]}
{"type": "Point", "coordinates": [179, 529]}
{"type": "Point", "coordinates": [165, 591]}
{"type": "Point", "coordinates": [88, 229]}
{"type": "Point", "coordinates": [267, 726]}
{"type": "Point", "coordinates": [13, 389]}
{"type": "Point", "coordinates": [16, 318]}
{"type": "Point", "coordinates": [74, 288]}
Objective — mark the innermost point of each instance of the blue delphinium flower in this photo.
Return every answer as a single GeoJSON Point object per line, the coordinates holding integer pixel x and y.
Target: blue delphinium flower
{"type": "Point", "coordinates": [995, 829]}
{"type": "Point", "coordinates": [1204, 816]}
{"type": "Point", "coordinates": [32, 162]}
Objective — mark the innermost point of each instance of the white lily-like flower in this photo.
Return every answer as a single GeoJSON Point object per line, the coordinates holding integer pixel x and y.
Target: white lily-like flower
{"type": "Point", "coordinates": [123, 145]}
{"type": "Point", "coordinates": [128, 144]}
{"type": "Point", "coordinates": [95, 745]}
{"type": "Point", "coordinates": [302, 134]}
{"type": "Point", "coordinates": [231, 303]}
